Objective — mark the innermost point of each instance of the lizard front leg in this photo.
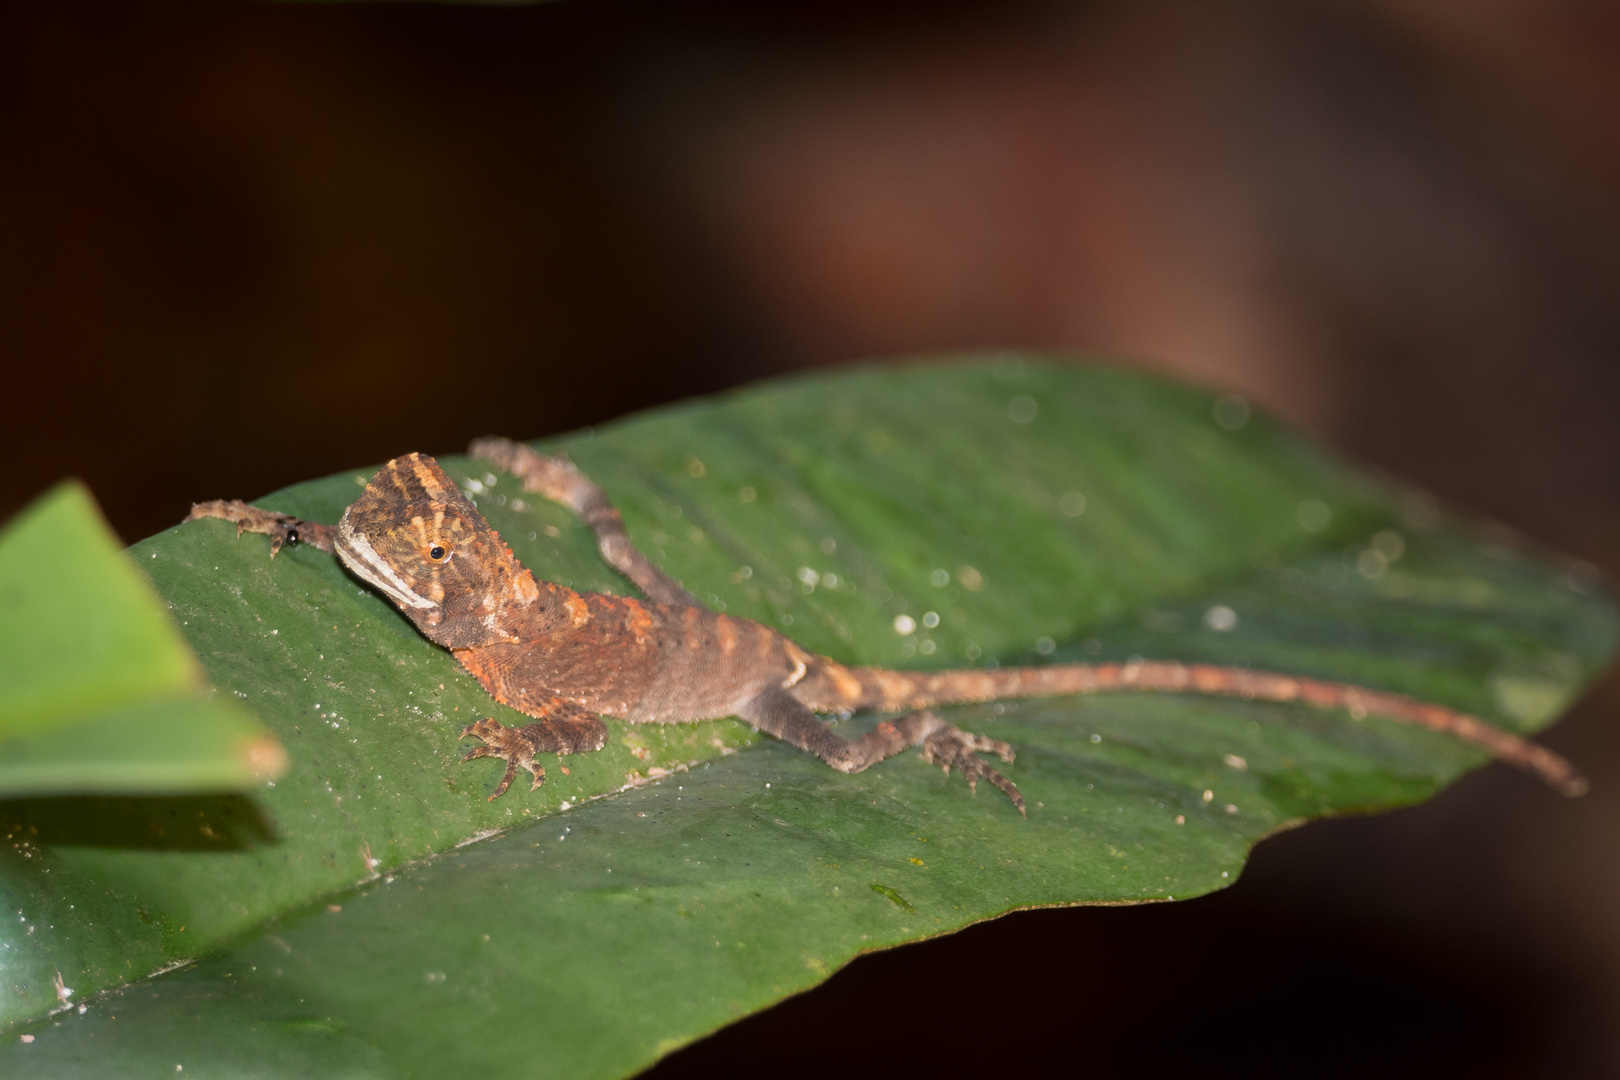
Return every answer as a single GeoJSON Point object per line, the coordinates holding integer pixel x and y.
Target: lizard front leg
{"type": "Point", "coordinates": [280, 528]}
{"type": "Point", "coordinates": [777, 712]}
{"type": "Point", "coordinates": [564, 728]}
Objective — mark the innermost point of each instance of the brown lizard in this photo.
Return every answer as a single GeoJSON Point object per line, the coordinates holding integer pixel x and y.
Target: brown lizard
{"type": "Point", "coordinates": [568, 658]}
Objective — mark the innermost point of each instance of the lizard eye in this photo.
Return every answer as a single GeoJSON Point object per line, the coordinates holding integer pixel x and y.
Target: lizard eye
{"type": "Point", "coordinates": [438, 552]}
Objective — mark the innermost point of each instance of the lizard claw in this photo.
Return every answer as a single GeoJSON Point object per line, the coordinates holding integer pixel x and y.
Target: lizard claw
{"type": "Point", "coordinates": [509, 744]}
{"type": "Point", "coordinates": [950, 747]}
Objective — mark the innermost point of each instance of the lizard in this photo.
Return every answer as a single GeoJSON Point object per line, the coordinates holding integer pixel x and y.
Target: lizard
{"type": "Point", "coordinates": [567, 658]}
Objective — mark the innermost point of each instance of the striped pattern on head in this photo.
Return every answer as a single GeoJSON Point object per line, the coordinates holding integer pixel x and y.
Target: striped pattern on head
{"type": "Point", "coordinates": [414, 537]}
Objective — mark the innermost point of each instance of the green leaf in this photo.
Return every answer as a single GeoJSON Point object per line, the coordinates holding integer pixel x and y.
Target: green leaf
{"type": "Point", "coordinates": [1011, 512]}
{"type": "Point", "coordinates": [98, 690]}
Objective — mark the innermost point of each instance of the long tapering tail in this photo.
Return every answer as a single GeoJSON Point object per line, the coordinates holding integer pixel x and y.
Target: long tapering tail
{"type": "Point", "coordinates": [833, 686]}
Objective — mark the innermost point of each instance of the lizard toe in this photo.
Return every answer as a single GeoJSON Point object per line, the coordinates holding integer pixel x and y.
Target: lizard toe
{"type": "Point", "coordinates": [985, 745]}
{"type": "Point", "coordinates": [506, 780]}
{"type": "Point", "coordinates": [950, 747]}
{"type": "Point", "coordinates": [511, 745]}
{"type": "Point", "coordinates": [489, 729]}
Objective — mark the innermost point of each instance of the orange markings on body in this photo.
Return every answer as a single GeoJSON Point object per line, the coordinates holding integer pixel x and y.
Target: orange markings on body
{"type": "Point", "coordinates": [578, 610]}
{"type": "Point", "coordinates": [844, 683]}
{"type": "Point", "coordinates": [474, 661]}
{"type": "Point", "coordinates": [524, 587]}
{"type": "Point", "coordinates": [637, 619]}
{"type": "Point", "coordinates": [693, 618]}
{"type": "Point", "coordinates": [896, 688]}
{"type": "Point", "coordinates": [725, 629]}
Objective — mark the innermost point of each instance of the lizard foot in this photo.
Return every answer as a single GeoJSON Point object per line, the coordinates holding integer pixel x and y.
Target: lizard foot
{"type": "Point", "coordinates": [568, 729]}
{"type": "Point", "coordinates": [512, 745]}
{"type": "Point", "coordinates": [282, 529]}
{"type": "Point", "coordinates": [949, 747]}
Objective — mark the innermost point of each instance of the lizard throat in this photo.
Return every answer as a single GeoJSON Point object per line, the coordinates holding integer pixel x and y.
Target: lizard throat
{"type": "Point", "coordinates": [359, 556]}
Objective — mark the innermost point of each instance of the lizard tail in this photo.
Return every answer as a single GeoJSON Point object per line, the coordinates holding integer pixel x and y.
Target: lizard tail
{"type": "Point", "coordinates": [835, 687]}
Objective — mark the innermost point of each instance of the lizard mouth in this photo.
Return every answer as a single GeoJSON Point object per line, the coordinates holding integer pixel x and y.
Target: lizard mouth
{"type": "Point", "coordinates": [359, 556]}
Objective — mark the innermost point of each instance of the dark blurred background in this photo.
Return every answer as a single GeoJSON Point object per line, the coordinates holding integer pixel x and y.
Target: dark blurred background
{"type": "Point", "coordinates": [243, 245]}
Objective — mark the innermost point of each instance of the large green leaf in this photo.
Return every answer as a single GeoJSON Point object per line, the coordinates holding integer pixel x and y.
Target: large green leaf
{"type": "Point", "coordinates": [98, 691]}
{"type": "Point", "coordinates": [1041, 512]}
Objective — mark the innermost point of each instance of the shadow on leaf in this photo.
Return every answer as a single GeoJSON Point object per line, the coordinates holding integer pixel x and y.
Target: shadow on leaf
{"type": "Point", "coordinates": [155, 823]}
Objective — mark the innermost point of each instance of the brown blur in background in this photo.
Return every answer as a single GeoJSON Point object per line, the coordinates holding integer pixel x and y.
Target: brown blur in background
{"type": "Point", "coordinates": [249, 244]}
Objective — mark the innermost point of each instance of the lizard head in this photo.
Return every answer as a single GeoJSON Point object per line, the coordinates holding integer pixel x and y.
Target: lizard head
{"type": "Point", "coordinates": [415, 537]}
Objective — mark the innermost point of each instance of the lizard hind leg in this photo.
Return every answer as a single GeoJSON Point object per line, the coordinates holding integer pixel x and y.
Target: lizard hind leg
{"type": "Point", "coordinates": [777, 712]}
{"type": "Point", "coordinates": [578, 732]}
